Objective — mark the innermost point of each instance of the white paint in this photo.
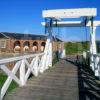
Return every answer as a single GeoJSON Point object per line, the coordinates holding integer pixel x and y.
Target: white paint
{"type": "Point", "coordinates": [63, 53]}
{"type": "Point", "coordinates": [96, 60]}
{"type": "Point", "coordinates": [84, 55]}
{"type": "Point", "coordinates": [6, 60]}
{"type": "Point", "coordinates": [76, 13]}
{"type": "Point", "coordinates": [22, 72]}
{"type": "Point", "coordinates": [70, 13]}
{"type": "Point", "coordinates": [72, 24]}
{"type": "Point", "coordinates": [92, 46]}
{"type": "Point", "coordinates": [21, 63]}
{"type": "Point", "coordinates": [11, 75]}
{"type": "Point", "coordinates": [45, 57]}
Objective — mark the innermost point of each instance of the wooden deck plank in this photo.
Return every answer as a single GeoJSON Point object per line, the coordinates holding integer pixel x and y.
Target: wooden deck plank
{"type": "Point", "coordinates": [58, 83]}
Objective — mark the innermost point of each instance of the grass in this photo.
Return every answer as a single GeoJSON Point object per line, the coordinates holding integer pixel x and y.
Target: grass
{"type": "Point", "coordinates": [76, 47]}
{"type": "Point", "coordinates": [3, 78]}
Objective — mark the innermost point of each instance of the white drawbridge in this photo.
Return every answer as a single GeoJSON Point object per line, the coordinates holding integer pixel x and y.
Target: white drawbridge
{"type": "Point", "coordinates": [87, 14]}
{"type": "Point", "coordinates": [38, 63]}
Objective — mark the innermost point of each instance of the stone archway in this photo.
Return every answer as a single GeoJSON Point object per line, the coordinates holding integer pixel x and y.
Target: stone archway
{"type": "Point", "coordinates": [42, 46]}
{"type": "Point", "coordinates": [35, 46]}
{"type": "Point", "coordinates": [26, 46]}
{"type": "Point", "coordinates": [17, 46]}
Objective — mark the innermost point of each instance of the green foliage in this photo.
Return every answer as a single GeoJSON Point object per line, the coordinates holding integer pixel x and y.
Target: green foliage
{"type": "Point", "coordinates": [3, 79]}
{"type": "Point", "coordinates": [76, 47]}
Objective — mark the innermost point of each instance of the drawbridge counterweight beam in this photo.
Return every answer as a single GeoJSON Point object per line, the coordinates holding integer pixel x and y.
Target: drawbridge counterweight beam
{"type": "Point", "coordinates": [70, 13]}
{"type": "Point", "coordinates": [72, 24]}
{"type": "Point", "coordinates": [85, 16]}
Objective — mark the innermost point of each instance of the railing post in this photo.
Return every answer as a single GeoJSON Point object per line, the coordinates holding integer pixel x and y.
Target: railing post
{"type": "Point", "coordinates": [21, 64]}
{"type": "Point", "coordinates": [50, 53]}
{"type": "Point", "coordinates": [97, 65]}
{"type": "Point", "coordinates": [47, 58]}
{"type": "Point", "coordinates": [36, 66]}
{"type": "Point", "coordinates": [44, 57]}
{"type": "Point", "coordinates": [22, 73]}
{"type": "Point", "coordinates": [92, 46]}
{"type": "Point", "coordinates": [94, 60]}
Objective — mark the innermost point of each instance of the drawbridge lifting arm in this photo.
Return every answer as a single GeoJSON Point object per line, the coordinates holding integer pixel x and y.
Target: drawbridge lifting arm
{"type": "Point", "coordinates": [86, 13]}
{"type": "Point", "coordinates": [70, 13]}
{"type": "Point", "coordinates": [72, 24]}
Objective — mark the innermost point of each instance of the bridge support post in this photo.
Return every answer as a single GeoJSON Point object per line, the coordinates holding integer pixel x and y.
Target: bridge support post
{"type": "Point", "coordinates": [93, 51]}
{"type": "Point", "coordinates": [47, 58]}
{"type": "Point", "coordinates": [50, 52]}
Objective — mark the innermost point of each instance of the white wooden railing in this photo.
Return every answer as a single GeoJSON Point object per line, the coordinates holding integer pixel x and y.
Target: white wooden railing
{"type": "Point", "coordinates": [24, 67]}
{"type": "Point", "coordinates": [95, 64]}
{"type": "Point", "coordinates": [94, 60]}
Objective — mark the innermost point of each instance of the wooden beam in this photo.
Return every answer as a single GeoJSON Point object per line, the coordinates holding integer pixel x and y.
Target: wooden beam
{"type": "Point", "coordinates": [70, 13]}
{"type": "Point", "coordinates": [72, 24]}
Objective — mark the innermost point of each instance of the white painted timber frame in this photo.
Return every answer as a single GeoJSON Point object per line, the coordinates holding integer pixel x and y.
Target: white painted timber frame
{"type": "Point", "coordinates": [72, 24]}
{"type": "Point", "coordinates": [77, 13]}
{"type": "Point", "coordinates": [39, 63]}
{"type": "Point", "coordinates": [42, 61]}
{"type": "Point", "coordinates": [70, 13]}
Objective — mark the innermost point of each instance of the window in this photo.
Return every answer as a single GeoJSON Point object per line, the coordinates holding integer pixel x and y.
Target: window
{"type": "Point", "coordinates": [2, 43]}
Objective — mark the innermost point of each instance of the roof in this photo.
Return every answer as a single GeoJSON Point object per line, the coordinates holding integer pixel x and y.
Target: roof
{"type": "Point", "coordinates": [22, 36]}
{"type": "Point", "coordinates": [2, 36]}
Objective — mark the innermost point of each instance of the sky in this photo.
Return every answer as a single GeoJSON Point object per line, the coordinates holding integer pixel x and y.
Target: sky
{"type": "Point", "coordinates": [25, 16]}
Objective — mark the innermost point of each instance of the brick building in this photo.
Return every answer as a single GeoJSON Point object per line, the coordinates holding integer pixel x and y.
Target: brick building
{"type": "Point", "coordinates": [16, 42]}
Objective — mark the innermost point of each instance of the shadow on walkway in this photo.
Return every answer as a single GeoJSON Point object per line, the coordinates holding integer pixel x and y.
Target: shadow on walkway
{"type": "Point", "coordinates": [89, 87]}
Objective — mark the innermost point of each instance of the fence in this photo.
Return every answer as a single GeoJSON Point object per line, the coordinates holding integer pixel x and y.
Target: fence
{"type": "Point", "coordinates": [94, 61]}
{"type": "Point", "coordinates": [23, 67]}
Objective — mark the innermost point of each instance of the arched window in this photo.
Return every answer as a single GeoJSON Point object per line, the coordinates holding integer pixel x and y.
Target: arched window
{"type": "Point", "coordinates": [26, 46]}
{"type": "Point", "coordinates": [42, 46]}
{"type": "Point", "coordinates": [17, 46]}
{"type": "Point", "coordinates": [35, 46]}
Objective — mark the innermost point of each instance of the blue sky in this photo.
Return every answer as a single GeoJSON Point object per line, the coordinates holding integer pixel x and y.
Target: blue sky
{"type": "Point", "coordinates": [26, 16]}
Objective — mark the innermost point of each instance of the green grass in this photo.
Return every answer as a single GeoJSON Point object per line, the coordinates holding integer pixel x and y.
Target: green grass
{"type": "Point", "coordinates": [3, 78]}
{"type": "Point", "coordinates": [76, 47]}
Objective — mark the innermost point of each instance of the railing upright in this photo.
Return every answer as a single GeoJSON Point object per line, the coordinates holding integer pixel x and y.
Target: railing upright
{"type": "Point", "coordinates": [24, 67]}
{"type": "Point", "coordinates": [22, 72]}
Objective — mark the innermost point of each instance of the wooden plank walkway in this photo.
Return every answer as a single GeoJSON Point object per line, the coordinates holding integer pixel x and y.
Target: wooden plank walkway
{"type": "Point", "coordinates": [88, 84]}
{"type": "Point", "coordinates": [58, 83]}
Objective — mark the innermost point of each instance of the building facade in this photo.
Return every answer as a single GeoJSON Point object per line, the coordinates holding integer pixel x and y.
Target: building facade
{"type": "Point", "coordinates": [19, 43]}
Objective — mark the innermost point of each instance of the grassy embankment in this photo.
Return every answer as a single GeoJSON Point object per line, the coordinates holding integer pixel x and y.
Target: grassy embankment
{"type": "Point", "coordinates": [73, 48]}
{"type": "Point", "coordinates": [2, 81]}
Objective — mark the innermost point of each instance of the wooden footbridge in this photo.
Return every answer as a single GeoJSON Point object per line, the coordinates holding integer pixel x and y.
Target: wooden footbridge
{"type": "Point", "coordinates": [64, 81]}
{"type": "Point", "coordinates": [68, 79]}
{"type": "Point", "coordinates": [58, 83]}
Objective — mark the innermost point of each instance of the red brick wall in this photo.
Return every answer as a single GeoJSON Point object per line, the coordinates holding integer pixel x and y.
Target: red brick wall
{"type": "Point", "coordinates": [10, 45]}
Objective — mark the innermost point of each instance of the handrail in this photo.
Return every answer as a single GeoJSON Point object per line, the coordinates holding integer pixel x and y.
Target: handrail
{"type": "Point", "coordinates": [24, 67]}
{"type": "Point", "coordinates": [95, 63]}
{"type": "Point", "coordinates": [10, 59]}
